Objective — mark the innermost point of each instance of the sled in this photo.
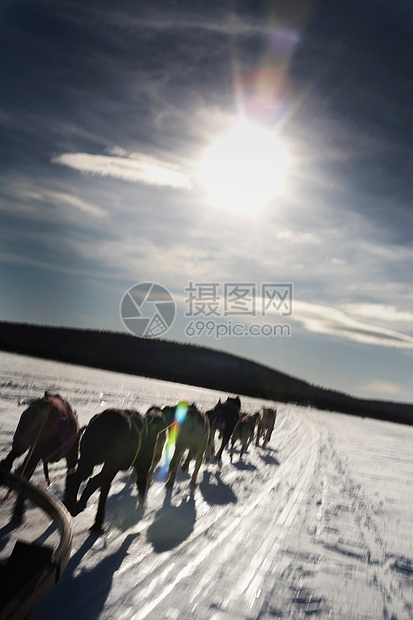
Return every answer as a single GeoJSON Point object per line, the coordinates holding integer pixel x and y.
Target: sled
{"type": "Point", "coordinates": [32, 569]}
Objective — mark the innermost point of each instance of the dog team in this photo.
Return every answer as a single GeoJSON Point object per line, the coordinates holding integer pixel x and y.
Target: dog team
{"type": "Point", "coordinates": [120, 439]}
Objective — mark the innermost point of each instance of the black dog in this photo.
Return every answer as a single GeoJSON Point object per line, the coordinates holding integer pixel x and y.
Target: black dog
{"type": "Point", "coordinates": [120, 439]}
{"type": "Point", "coordinates": [223, 418]}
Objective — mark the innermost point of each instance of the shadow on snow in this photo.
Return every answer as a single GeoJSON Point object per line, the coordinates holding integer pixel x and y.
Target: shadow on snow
{"type": "Point", "coordinates": [85, 592]}
{"type": "Point", "coordinates": [172, 524]}
{"type": "Point", "coordinates": [214, 491]}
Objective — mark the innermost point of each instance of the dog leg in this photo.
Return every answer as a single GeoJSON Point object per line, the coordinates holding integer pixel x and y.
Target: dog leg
{"type": "Point", "coordinates": [73, 481]}
{"type": "Point", "coordinates": [26, 470]}
{"type": "Point", "coordinates": [198, 463]}
{"type": "Point", "coordinates": [191, 455]}
{"type": "Point", "coordinates": [102, 479]}
{"type": "Point", "coordinates": [173, 466]}
{"type": "Point", "coordinates": [210, 447]}
{"type": "Point", "coordinates": [243, 448]}
{"type": "Point", "coordinates": [100, 514]}
{"type": "Point", "coordinates": [231, 454]}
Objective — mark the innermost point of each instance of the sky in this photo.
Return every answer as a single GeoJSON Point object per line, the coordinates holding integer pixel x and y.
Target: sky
{"type": "Point", "coordinates": [254, 159]}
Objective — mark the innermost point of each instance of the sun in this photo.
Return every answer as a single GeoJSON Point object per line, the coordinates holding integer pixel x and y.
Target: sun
{"type": "Point", "coordinates": [244, 168]}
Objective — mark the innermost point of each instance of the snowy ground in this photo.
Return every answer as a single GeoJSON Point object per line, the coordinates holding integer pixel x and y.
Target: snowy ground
{"type": "Point", "coordinates": [319, 523]}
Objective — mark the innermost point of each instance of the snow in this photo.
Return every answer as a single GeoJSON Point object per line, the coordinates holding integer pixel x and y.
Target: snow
{"type": "Point", "coordinates": [318, 523]}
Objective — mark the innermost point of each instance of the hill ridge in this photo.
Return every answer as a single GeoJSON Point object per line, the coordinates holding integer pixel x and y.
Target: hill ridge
{"type": "Point", "coordinates": [185, 363]}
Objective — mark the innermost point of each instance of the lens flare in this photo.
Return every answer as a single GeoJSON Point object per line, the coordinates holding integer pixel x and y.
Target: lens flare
{"type": "Point", "coordinates": [181, 411]}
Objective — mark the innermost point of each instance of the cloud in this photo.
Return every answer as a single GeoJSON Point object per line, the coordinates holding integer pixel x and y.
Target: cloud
{"type": "Point", "coordinates": [28, 202]}
{"type": "Point", "coordinates": [336, 322]}
{"type": "Point", "coordinates": [145, 261]}
{"type": "Point", "coordinates": [378, 311]}
{"type": "Point", "coordinates": [132, 167]}
{"type": "Point", "coordinates": [383, 387]}
{"type": "Point", "coordinates": [75, 203]}
{"type": "Point", "coordinates": [177, 19]}
{"type": "Point", "coordinates": [61, 199]}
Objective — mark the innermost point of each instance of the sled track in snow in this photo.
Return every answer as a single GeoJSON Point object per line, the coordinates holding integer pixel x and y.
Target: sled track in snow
{"type": "Point", "coordinates": [282, 493]}
{"type": "Point", "coordinates": [382, 568]}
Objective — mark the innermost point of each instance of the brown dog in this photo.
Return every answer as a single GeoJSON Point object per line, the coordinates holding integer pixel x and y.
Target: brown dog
{"type": "Point", "coordinates": [49, 430]}
{"type": "Point", "coordinates": [244, 432]}
{"type": "Point", "coordinates": [192, 434]}
{"type": "Point", "coordinates": [266, 423]}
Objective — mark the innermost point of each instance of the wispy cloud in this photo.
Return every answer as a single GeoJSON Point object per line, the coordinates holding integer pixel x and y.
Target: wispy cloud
{"type": "Point", "coordinates": [337, 322]}
{"type": "Point", "coordinates": [74, 202]}
{"type": "Point", "coordinates": [176, 19]}
{"type": "Point", "coordinates": [382, 312]}
{"type": "Point", "coordinates": [132, 167]}
{"type": "Point", "coordinates": [35, 201]}
{"type": "Point", "coordinates": [63, 199]}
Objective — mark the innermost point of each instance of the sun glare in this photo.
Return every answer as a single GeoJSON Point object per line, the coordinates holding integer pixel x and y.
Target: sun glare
{"type": "Point", "coordinates": [243, 169]}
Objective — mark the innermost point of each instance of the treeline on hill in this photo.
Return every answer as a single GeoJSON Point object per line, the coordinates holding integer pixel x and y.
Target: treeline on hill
{"type": "Point", "coordinates": [185, 363]}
